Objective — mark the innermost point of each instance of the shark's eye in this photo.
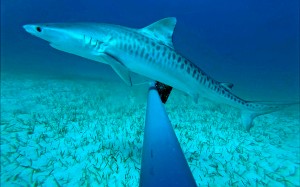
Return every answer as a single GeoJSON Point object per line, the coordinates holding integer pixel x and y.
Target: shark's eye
{"type": "Point", "coordinates": [39, 29]}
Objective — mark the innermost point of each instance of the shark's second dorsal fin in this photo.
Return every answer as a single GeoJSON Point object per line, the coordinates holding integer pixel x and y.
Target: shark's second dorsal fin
{"type": "Point", "coordinates": [161, 30]}
{"type": "Point", "coordinates": [227, 85]}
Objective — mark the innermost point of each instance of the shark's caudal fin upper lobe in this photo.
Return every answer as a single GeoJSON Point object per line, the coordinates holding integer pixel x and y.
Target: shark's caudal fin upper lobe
{"type": "Point", "coordinates": [261, 108]}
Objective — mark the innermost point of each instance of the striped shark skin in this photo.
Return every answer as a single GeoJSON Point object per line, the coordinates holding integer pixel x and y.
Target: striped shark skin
{"type": "Point", "coordinates": [149, 52]}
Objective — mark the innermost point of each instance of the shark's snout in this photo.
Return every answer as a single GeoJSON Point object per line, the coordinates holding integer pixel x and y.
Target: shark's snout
{"type": "Point", "coordinates": [32, 29]}
{"type": "Point", "coordinates": [46, 32]}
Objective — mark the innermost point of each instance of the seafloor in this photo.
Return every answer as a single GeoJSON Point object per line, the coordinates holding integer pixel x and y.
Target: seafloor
{"type": "Point", "coordinates": [66, 131]}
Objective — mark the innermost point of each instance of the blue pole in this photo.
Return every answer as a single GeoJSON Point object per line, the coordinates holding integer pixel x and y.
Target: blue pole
{"type": "Point", "coordinates": [163, 162]}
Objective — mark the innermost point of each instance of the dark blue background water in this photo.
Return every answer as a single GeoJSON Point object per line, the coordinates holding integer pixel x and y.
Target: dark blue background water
{"type": "Point", "coordinates": [252, 43]}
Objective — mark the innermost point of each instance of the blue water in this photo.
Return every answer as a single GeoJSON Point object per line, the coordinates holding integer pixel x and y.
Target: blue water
{"type": "Point", "coordinates": [251, 43]}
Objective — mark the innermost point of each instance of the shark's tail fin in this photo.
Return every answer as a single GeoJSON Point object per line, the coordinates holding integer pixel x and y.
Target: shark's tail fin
{"type": "Point", "coordinates": [255, 109]}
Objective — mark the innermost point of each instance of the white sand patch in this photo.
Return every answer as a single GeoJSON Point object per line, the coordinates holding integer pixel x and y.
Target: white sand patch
{"type": "Point", "coordinates": [70, 132]}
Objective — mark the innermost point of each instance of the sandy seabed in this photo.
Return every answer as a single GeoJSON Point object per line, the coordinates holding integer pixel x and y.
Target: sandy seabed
{"type": "Point", "coordinates": [89, 132]}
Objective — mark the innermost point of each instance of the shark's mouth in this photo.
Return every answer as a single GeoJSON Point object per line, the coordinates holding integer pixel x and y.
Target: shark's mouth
{"type": "Point", "coordinates": [60, 47]}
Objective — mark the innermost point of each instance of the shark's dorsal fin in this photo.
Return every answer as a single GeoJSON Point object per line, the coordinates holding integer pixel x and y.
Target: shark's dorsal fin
{"type": "Point", "coordinates": [227, 85]}
{"type": "Point", "coordinates": [161, 30]}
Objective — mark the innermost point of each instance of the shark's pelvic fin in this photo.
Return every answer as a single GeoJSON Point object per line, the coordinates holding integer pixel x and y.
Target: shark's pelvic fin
{"type": "Point", "coordinates": [162, 30]}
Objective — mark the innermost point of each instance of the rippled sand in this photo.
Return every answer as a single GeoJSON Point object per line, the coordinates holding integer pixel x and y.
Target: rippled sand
{"type": "Point", "coordinates": [77, 132]}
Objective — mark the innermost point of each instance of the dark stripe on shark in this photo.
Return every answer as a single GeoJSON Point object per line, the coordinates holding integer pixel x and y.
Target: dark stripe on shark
{"type": "Point", "coordinates": [136, 52]}
{"type": "Point", "coordinates": [182, 66]}
{"type": "Point", "coordinates": [194, 73]}
{"type": "Point", "coordinates": [169, 56]}
{"type": "Point", "coordinates": [164, 51]}
{"type": "Point", "coordinates": [142, 52]}
{"type": "Point", "coordinates": [179, 59]}
{"type": "Point", "coordinates": [146, 56]}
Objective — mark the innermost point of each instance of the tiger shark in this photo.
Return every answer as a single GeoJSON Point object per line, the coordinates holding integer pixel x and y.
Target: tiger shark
{"type": "Point", "coordinates": [149, 52]}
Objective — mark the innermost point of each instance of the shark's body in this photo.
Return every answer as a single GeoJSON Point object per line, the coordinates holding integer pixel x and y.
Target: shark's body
{"type": "Point", "coordinates": [149, 52]}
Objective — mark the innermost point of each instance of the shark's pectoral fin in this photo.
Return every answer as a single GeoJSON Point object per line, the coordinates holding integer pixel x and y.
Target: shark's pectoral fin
{"type": "Point", "coordinates": [119, 68]}
{"type": "Point", "coordinates": [123, 72]}
{"type": "Point", "coordinates": [161, 30]}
